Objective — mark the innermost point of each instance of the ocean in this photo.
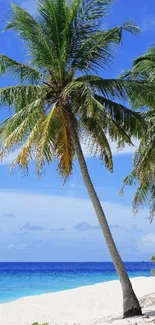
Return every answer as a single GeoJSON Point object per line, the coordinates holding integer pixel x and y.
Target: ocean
{"type": "Point", "coordinates": [27, 279]}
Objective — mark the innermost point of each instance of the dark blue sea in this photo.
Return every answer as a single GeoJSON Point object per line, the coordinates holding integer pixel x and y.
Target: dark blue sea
{"type": "Point", "coordinates": [26, 279]}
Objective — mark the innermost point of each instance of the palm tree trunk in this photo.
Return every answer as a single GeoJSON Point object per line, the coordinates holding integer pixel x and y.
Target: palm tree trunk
{"type": "Point", "coordinates": [131, 306]}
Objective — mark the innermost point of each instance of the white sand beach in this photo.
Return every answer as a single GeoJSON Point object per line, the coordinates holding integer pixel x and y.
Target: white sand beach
{"type": "Point", "coordinates": [99, 304]}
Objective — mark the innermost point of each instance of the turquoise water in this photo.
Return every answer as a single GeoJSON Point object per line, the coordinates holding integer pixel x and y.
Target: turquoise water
{"type": "Point", "coordinates": [26, 279]}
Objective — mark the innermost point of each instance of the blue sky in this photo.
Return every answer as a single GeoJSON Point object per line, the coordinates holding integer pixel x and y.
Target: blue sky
{"type": "Point", "coordinates": [42, 220]}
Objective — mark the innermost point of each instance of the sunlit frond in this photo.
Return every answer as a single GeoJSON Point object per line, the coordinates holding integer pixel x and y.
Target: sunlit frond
{"type": "Point", "coordinates": [46, 139]}
{"type": "Point", "coordinates": [27, 151]}
{"type": "Point", "coordinates": [19, 96]}
{"type": "Point", "coordinates": [15, 129]}
{"type": "Point", "coordinates": [64, 147]}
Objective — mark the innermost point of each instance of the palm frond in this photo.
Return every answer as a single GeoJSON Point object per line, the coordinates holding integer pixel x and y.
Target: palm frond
{"type": "Point", "coordinates": [27, 151]}
{"type": "Point", "coordinates": [116, 121]}
{"type": "Point", "coordinates": [97, 141]}
{"type": "Point", "coordinates": [26, 114]}
{"type": "Point", "coordinates": [95, 51]}
{"type": "Point", "coordinates": [129, 180]}
{"type": "Point", "coordinates": [151, 191]}
{"type": "Point", "coordinates": [143, 174]}
{"type": "Point", "coordinates": [21, 71]}
{"type": "Point", "coordinates": [130, 27]}
{"type": "Point", "coordinates": [45, 141]}
{"type": "Point", "coordinates": [86, 15]}
{"type": "Point", "coordinates": [55, 142]}
{"type": "Point", "coordinates": [19, 96]}
{"type": "Point", "coordinates": [117, 88]}
{"type": "Point", "coordinates": [95, 9]}
{"type": "Point", "coordinates": [54, 20]}
{"type": "Point", "coordinates": [13, 131]}
{"type": "Point", "coordinates": [114, 130]}
{"type": "Point", "coordinates": [31, 32]}
{"type": "Point", "coordinates": [144, 195]}
{"type": "Point", "coordinates": [64, 147]}
{"type": "Point", "coordinates": [144, 65]}
{"type": "Point", "coordinates": [131, 122]}
{"type": "Point", "coordinates": [140, 198]}
{"type": "Point", "coordinates": [143, 71]}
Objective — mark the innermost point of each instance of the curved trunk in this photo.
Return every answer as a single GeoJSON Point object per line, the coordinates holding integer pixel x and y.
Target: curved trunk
{"type": "Point", "coordinates": [131, 306]}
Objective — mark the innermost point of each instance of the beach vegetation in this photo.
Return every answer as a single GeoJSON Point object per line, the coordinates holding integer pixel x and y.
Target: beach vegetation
{"type": "Point", "coordinates": [40, 324]}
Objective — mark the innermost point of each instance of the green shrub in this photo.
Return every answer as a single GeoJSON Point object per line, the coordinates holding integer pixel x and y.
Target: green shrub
{"type": "Point", "coordinates": [152, 259]}
{"type": "Point", "coordinates": [39, 324]}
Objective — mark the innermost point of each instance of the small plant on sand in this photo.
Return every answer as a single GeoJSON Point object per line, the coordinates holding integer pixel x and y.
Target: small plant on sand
{"type": "Point", "coordinates": [40, 324]}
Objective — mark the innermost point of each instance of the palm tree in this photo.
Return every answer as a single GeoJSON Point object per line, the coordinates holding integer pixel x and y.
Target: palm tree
{"type": "Point", "coordinates": [144, 170]}
{"type": "Point", "coordinates": [59, 101]}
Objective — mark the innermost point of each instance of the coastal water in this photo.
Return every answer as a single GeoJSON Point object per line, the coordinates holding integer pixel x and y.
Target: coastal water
{"type": "Point", "coordinates": [26, 279]}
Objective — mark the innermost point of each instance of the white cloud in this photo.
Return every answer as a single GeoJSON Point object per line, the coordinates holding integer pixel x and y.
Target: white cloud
{"type": "Point", "coordinates": [65, 212]}
{"type": "Point", "coordinates": [17, 246]}
{"type": "Point", "coordinates": [147, 243]}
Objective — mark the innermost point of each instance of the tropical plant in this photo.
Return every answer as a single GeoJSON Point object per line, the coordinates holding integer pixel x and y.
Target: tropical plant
{"type": "Point", "coordinates": [60, 99]}
{"type": "Point", "coordinates": [143, 163]}
{"type": "Point", "coordinates": [40, 324]}
{"type": "Point", "coordinates": [152, 259]}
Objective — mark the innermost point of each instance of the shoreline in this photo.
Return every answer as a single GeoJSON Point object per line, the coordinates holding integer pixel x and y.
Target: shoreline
{"type": "Point", "coordinates": [65, 290]}
{"type": "Point", "coordinates": [70, 289]}
{"type": "Point", "coordinates": [98, 304]}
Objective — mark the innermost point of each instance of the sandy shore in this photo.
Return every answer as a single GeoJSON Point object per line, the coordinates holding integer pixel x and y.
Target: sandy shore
{"type": "Point", "coordinates": [99, 304]}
